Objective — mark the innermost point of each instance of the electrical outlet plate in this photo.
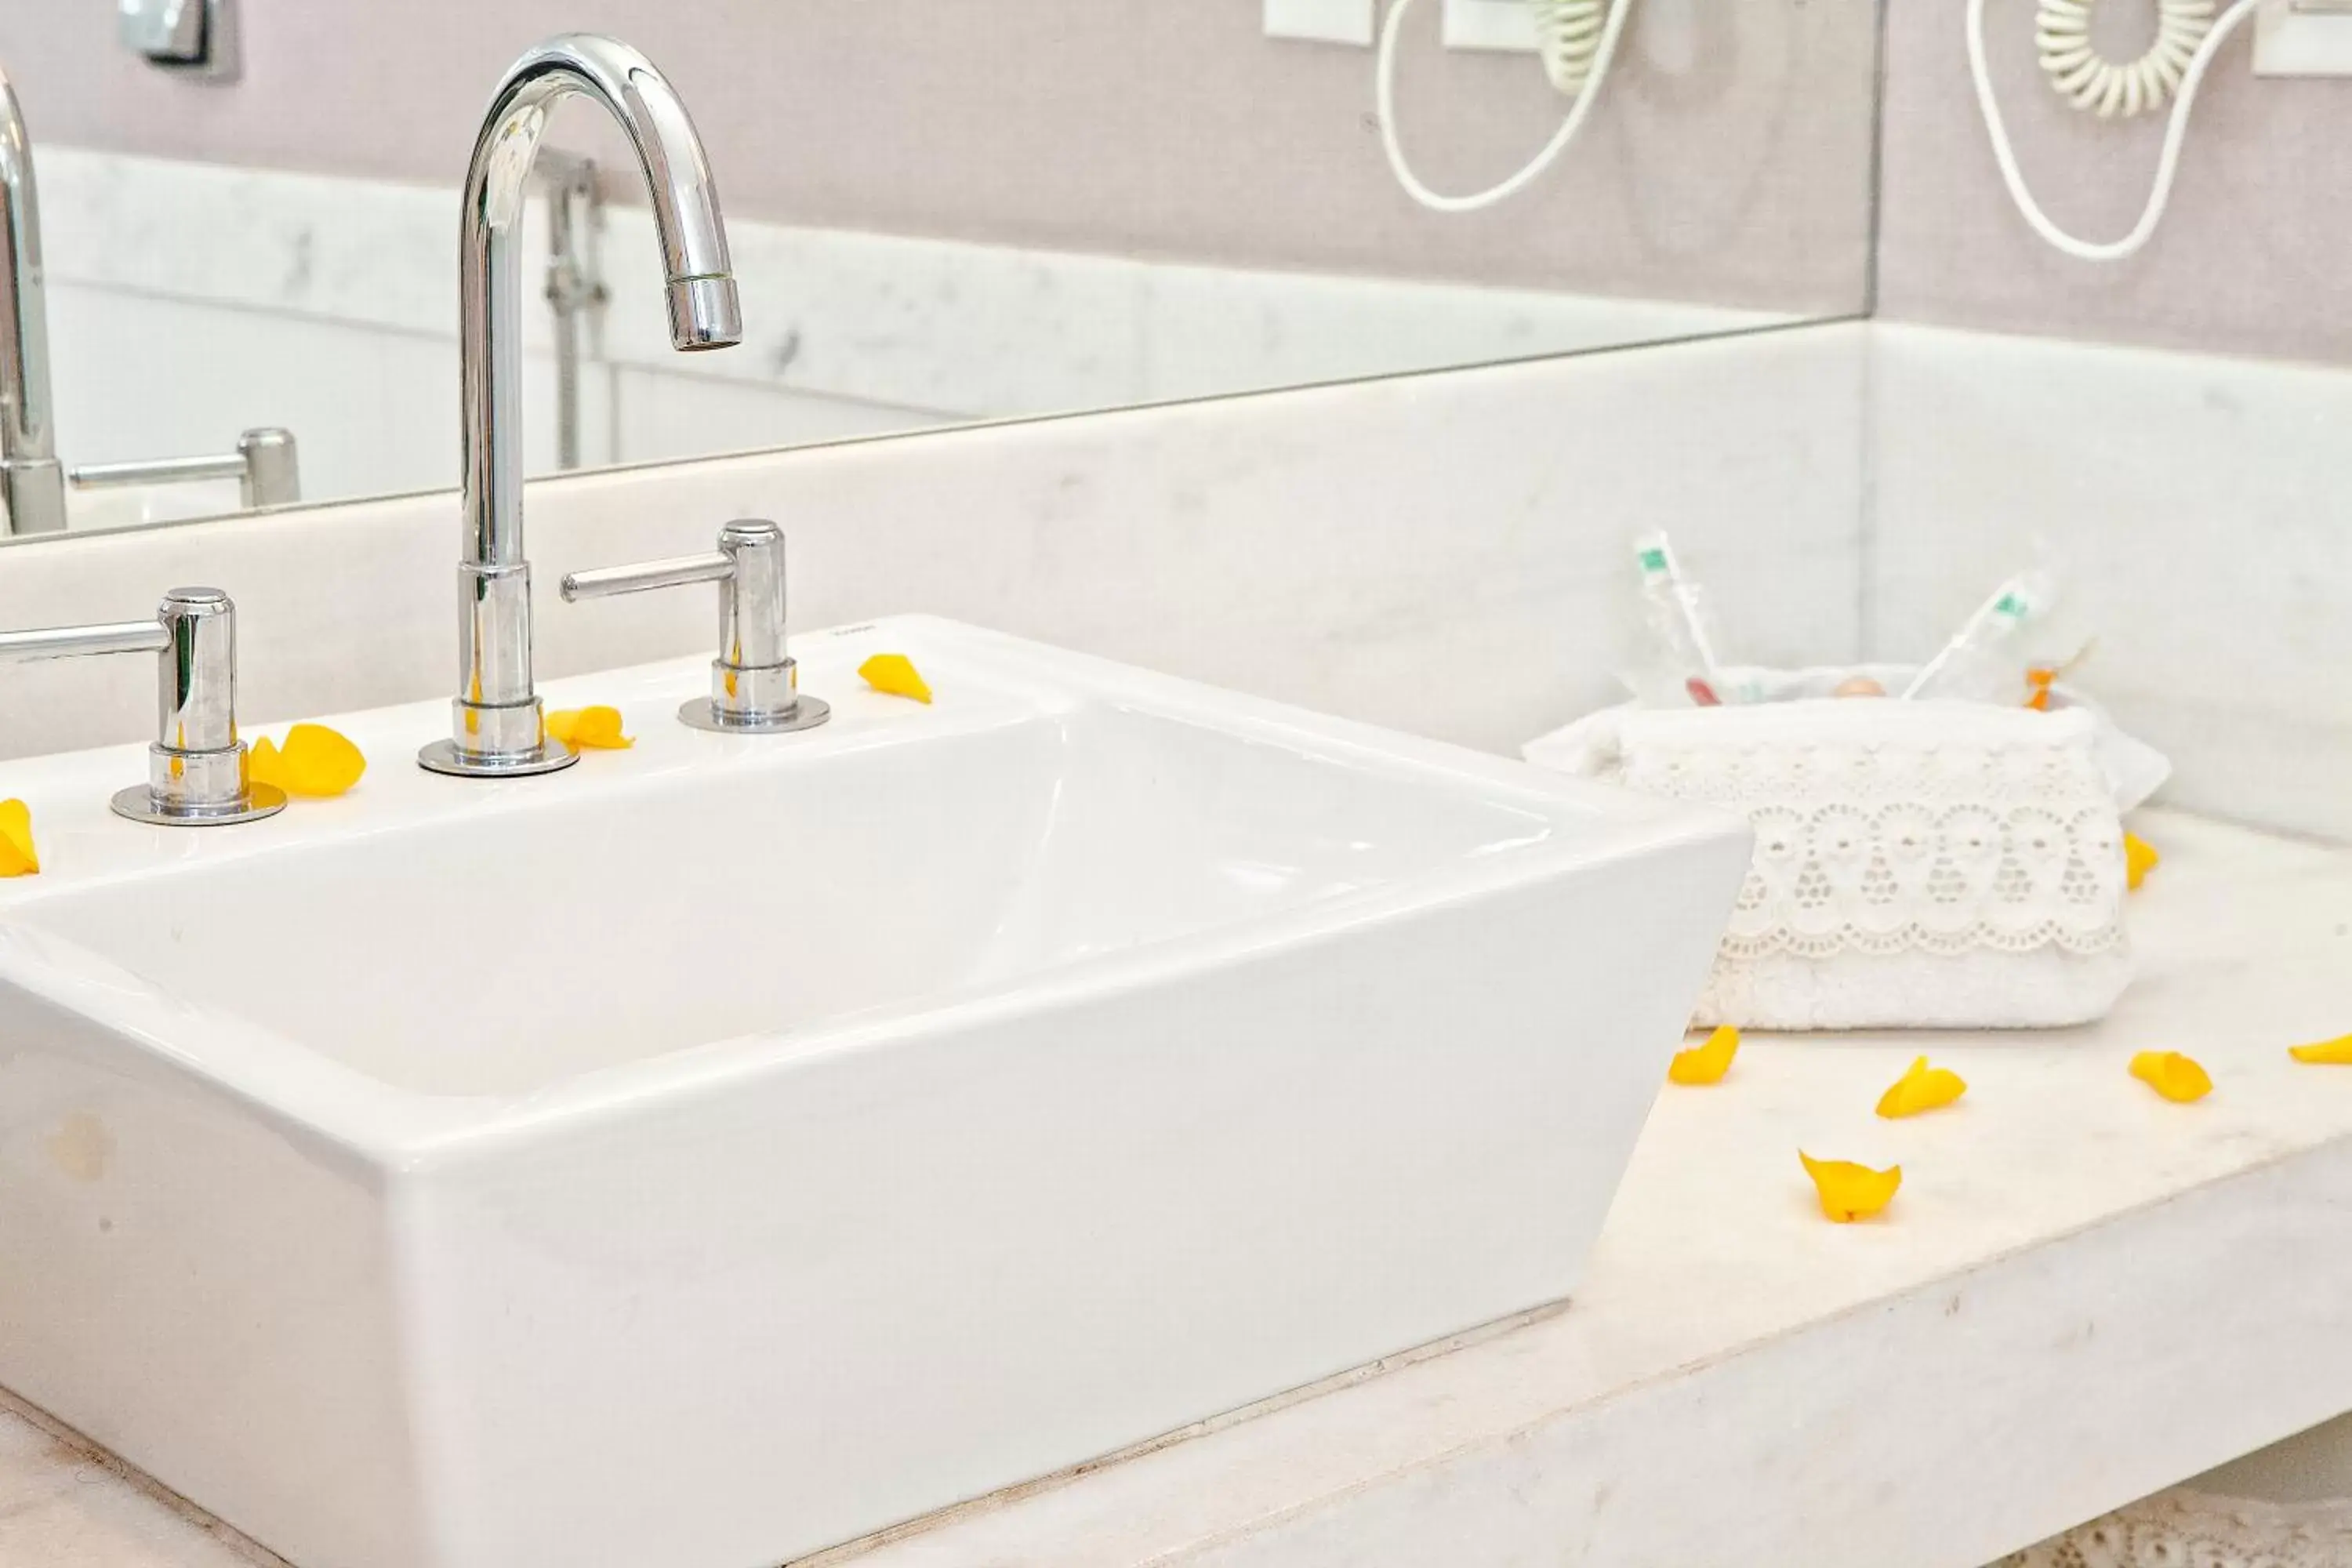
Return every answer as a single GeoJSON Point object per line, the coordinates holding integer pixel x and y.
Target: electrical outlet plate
{"type": "Point", "coordinates": [1321, 21]}
{"type": "Point", "coordinates": [2303, 37]}
{"type": "Point", "coordinates": [1509, 26]}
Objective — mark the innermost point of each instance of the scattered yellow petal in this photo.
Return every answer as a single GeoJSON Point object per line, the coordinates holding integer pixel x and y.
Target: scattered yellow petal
{"type": "Point", "coordinates": [2139, 858]}
{"type": "Point", "coordinates": [1850, 1192]}
{"type": "Point", "coordinates": [894, 674]}
{"type": "Point", "coordinates": [1707, 1061]}
{"type": "Point", "coordinates": [17, 856]}
{"type": "Point", "coordinates": [2177, 1078]}
{"type": "Point", "coordinates": [315, 761]}
{"type": "Point", "coordinates": [1923, 1088]}
{"type": "Point", "coordinates": [2336, 1052]}
{"type": "Point", "coordinates": [589, 728]}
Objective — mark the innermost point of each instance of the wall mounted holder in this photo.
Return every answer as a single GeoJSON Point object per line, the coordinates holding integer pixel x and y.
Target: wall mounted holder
{"type": "Point", "coordinates": [195, 38]}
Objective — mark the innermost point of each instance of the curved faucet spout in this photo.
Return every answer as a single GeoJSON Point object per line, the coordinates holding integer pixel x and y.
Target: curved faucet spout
{"type": "Point", "coordinates": [498, 728]}
{"type": "Point", "coordinates": [32, 484]}
{"type": "Point", "coordinates": [700, 284]}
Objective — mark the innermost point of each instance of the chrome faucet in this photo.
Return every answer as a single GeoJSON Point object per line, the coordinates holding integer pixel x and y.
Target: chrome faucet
{"type": "Point", "coordinates": [499, 729]}
{"type": "Point", "coordinates": [32, 483]}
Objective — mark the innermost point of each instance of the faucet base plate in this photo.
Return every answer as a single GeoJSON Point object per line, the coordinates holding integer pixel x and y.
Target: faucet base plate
{"type": "Point", "coordinates": [443, 757]}
{"type": "Point", "coordinates": [139, 804]}
{"type": "Point", "coordinates": [703, 714]}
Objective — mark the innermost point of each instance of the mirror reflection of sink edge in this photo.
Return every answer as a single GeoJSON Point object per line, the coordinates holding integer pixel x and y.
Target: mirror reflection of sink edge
{"type": "Point", "coordinates": [972, 1091]}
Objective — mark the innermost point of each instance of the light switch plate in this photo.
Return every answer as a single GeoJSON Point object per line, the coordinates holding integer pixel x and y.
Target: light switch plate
{"type": "Point", "coordinates": [1321, 21]}
{"type": "Point", "coordinates": [2302, 38]}
{"type": "Point", "coordinates": [1504, 25]}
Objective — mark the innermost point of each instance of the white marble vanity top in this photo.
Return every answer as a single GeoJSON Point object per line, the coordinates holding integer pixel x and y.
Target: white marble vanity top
{"type": "Point", "coordinates": [2083, 1294]}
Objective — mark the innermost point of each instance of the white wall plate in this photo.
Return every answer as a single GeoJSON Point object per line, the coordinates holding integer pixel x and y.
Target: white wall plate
{"type": "Point", "coordinates": [1321, 21]}
{"type": "Point", "coordinates": [2303, 37]}
{"type": "Point", "coordinates": [1504, 25]}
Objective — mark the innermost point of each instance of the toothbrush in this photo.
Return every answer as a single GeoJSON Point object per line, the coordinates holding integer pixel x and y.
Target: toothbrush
{"type": "Point", "coordinates": [1664, 586]}
{"type": "Point", "coordinates": [1994, 622]}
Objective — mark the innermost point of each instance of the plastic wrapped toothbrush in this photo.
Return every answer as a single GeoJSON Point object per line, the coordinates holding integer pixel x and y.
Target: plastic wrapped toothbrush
{"type": "Point", "coordinates": [1684, 665]}
{"type": "Point", "coordinates": [1990, 645]}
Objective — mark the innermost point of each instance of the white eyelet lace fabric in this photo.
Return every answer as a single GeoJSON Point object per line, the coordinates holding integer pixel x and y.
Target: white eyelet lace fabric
{"type": "Point", "coordinates": [1926, 864]}
{"type": "Point", "coordinates": [2189, 1530]}
{"type": "Point", "coordinates": [1955, 836]}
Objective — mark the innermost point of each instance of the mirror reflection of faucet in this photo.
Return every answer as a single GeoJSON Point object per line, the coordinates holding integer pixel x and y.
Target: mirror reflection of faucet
{"type": "Point", "coordinates": [33, 483]}
{"type": "Point", "coordinates": [264, 466]}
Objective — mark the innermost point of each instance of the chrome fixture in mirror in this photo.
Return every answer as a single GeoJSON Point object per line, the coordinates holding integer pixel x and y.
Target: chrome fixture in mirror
{"type": "Point", "coordinates": [32, 483]}
{"type": "Point", "coordinates": [575, 289]}
{"type": "Point", "coordinates": [265, 466]}
{"type": "Point", "coordinates": [31, 480]}
{"type": "Point", "coordinates": [499, 729]}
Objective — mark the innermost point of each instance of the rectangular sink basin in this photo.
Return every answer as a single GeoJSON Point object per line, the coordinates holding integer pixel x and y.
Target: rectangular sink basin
{"type": "Point", "coordinates": [734, 1146]}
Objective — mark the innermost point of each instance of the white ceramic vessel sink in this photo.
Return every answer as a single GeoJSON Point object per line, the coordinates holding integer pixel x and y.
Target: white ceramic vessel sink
{"type": "Point", "coordinates": [732, 1146]}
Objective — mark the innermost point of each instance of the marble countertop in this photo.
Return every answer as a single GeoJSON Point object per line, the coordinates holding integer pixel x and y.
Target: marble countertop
{"type": "Point", "coordinates": [2083, 1294]}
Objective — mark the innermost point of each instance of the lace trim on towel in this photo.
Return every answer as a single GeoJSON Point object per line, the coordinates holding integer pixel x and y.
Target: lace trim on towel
{"type": "Point", "coordinates": [1884, 848]}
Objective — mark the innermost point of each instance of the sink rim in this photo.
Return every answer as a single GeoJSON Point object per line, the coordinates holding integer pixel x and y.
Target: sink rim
{"type": "Point", "coordinates": [395, 1128]}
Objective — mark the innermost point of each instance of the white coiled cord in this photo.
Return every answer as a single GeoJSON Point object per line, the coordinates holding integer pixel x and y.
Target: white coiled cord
{"type": "Point", "coordinates": [1578, 39]}
{"type": "Point", "coordinates": [2089, 81]}
{"type": "Point", "coordinates": [2129, 91]}
{"type": "Point", "coordinates": [1567, 36]}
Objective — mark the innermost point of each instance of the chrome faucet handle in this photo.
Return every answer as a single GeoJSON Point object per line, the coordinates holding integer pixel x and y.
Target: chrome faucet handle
{"type": "Point", "coordinates": [196, 769]}
{"type": "Point", "coordinates": [754, 684]}
{"type": "Point", "coordinates": [264, 465]}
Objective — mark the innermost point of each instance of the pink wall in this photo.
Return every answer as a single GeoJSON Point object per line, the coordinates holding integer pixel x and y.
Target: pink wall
{"type": "Point", "coordinates": [2252, 260]}
{"type": "Point", "coordinates": [1156, 127]}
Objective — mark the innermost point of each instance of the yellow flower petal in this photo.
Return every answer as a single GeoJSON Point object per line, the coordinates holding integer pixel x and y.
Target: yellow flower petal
{"type": "Point", "coordinates": [1923, 1088]}
{"type": "Point", "coordinates": [315, 761]}
{"type": "Point", "coordinates": [894, 674]}
{"type": "Point", "coordinates": [17, 855]}
{"type": "Point", "coordinates": [263, 764]}
{"type": "Point", "coordinates": [1850, 1192]}
{"type": "Point", "coordinates": [2139, 858]}
{"type": "Point", "coordinates": [2177, 1078]}
{"type": "Point", "coordinates": [2336, 1052]}
{"type": "Point", "coordinates": [589, 728]}
{"type": "Point", "coordinates": [1707, 1061]}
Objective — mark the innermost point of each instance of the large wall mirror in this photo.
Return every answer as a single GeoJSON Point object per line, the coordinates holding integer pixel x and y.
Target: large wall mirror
{"type": "Point", "coordinates": [938, 213]}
